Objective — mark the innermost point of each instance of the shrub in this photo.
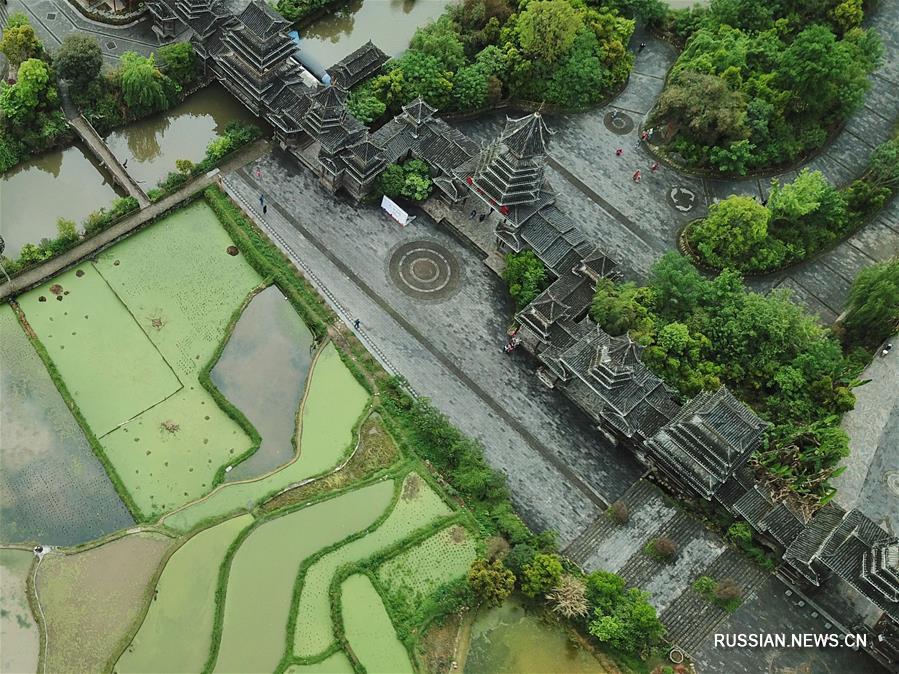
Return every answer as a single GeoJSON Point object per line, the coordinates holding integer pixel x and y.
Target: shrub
{"type": "Point", "coordinates": [525, 277]}
{"type": "Point", "coordinates": [491, 581]}
{"type": "Point", "coordinates": [541, 575]}
{"type": "Point", "coordinates": [411, 180]}
{"type": "Point", "coordinates": [662, 549]}
{"type": "Point", "coordinates": [520, 556]}
{"type": "Point", "coordinates": [569, 597]}
{"type": "Point", "coordinates": [619, 513]}
{"type": "Point", "coordinates": [724, 593]}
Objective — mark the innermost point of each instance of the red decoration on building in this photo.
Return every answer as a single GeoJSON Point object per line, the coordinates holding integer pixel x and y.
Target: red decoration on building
{"type": "Point", "coordinates": [504, 210]}
{"type": "Point", "coordinates": [469, 180]}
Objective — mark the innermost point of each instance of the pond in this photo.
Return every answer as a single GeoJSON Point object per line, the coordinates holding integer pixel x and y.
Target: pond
{"type": "Point", "coordinates": [390, 24]}
{"type": "Point", "coordinates": [263, 372]}
{"type": "Point", "coordinates": [151, 146]}
{"type": "Point", "coordinates": [508, 639]}
{"type": "Point", "coordinates": [52, 488]}
{"type": "Point", "coordinates": [36, 193]}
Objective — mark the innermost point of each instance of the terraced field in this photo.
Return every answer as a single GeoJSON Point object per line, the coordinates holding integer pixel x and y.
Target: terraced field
{"type": "Point", "coordinates": [264, 569]}
{"type": "Point", "coordinates": [333, 404]}
{"type": "Point", "coordinates": [417, 506]}
{"type": "Point", "coordinates": [369, 630]}
{"type": "Point", "coordinates": [183, 604]}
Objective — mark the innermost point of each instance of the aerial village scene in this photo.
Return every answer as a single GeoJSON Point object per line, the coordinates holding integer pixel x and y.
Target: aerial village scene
{"type": "Point", "coordinates": [449, 336]}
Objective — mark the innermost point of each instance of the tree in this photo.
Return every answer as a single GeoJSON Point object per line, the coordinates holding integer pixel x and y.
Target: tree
{"type": "Point", "coordinates": [847, 15]}
{"type": "Point", "coordinates": [525, 277]}
{"type": "Point", "coordinates": [392, 180]}
{"type": "Point", "coordinates": [706, 107]}
{"type": "Point", "coordinates": [412, 75]}
{"type": "Point", "coordinates": [67, 231]}
{"type": "Point", "coordinates": [569, 597]}
{"type": "Point", "coordinates": [518, 558]}
{"type": "Point", "coordinates": [873, 308]}
{"type": "Point", "coordinates": [79, 59]}
{"type": "Point", "coordinates": [469, 88]}
{"type": "Point", "coordinates": [440, 40]}
{"type": "Point", "coordinates": [731, 231]}
{"type": "Point", "coordinates": [604, 590]}
{"type": "Point", "coordinates": [19, 43]}
{"type": "Point", "coordinates": [142, 83]}
{"type": "Point", "coordinates": [547, 28]}
{"type": "Point", "coordinates": [621, 308]}
{"type": "Point", "coordinates": [629, 624]}
{"type": "Point", "coordinates": [541, 575]}
{"type": "Point", "coordinates": [491, 581]}
{"type": "Point", "coordinates": [32, 92]}
{"type": "Point", "coordinates": [179, 62]}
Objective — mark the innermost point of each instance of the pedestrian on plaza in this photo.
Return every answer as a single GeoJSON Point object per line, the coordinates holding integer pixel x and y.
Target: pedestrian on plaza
{"type": "Point", "coordinates": [125, 164]}
{"type": "Point", "coordinates": [642, 47]}
{"type": "Point", "coordinates": [619, 152]}
{"type": "Point", "coordinates": [644, 136]}
{"type": "Point", "coordinates": [654, 167]}
{"type": "Point", "coordinates": [258, 172]}
{"type": "Point", "coordinates": [474, 212]}
{"type": "Point", "coordinates": [636, 176]}
{"type": "Point", "coordinates": [614, 114]}
{"type": "Point", "coordinates": [261, 199]}
{"type": "Point", "coordinates": [481, 217]}
{"type": "Point", "coordinates": [264, 209]}
{"type": "Point", "coordinates": [357, 323]}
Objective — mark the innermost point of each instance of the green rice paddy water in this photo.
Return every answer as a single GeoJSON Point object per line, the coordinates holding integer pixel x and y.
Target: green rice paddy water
{"type": "Point", "coordinates": [369, 630]}
{"type": "Point", "coordinates": [52, 488]}
{"type": "Point", "coordinates": [176, 633]}
{"type": "Point", "coordinates": [334, 402]}
{"type": "Point", "coordinates": [417, 506]}
{"type": "Point", "coordinates": [263, 372]}
{"type": "Point", "coordinates": [416, 573]}
{"type": "Point", "coordinates": [19, 633]}
{"type": "Point", "coordinates": [265, 566]}
{"type": "Point", "coordinates": [110, 367]}
{"type": "Point", "coordinates": [338, 663]}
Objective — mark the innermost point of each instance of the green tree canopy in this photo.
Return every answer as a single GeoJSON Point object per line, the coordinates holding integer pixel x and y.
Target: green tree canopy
{"type": "Point", "coordinates": [440, 40]}
{"type": "Point", "coordinates": [491, 581]}
{"type": "Point", "coordinates": [179, 62]}
{"type": "Point", "coordinates": [731, 231]}
{"type": "Point", "coordinates": [143, 86]}
{"type": "Point", "coordinates": [19, 43]}
{"type": "Point", "coordinates": [705, 106]}
{"type": "Point", "coordinates": [32, 92]}
{"type": "Point", "coordinates": [541, 575]}
{"type": "Point", "coordinates": [79, 59]}
{"type": "Point", "coordinates": [547, 28]}
{"type": "Point", "coordinates": [873, 309]}
{"type": "Point", "coordinates": [525, 277]}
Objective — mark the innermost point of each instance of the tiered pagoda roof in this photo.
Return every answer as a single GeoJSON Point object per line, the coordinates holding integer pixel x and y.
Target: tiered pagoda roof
{"type": "Point", "coordinates": [327, 110]}
{"type": "Point", "coordinates": [707, 441]}
{"type": "Point", "coordinates": [510, 170]}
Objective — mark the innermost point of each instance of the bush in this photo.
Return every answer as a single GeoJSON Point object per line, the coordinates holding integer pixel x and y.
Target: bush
{"type": "Point", "coordinates": [623, 619]}
{"type": "Point", "coordinates": [724, 593]}
{"type": "Point", "coordinates": [411, 179]}
{"type": "Point", "coordinates": [569, 597]}
{"type": "Point", "coordinates": [520, 556]}
{"type": "Point", "coordinates": [541, 575]}
{"type": "Point", "coordinates": [661, 549]}
{"type": "Point", "coordinates": [872, 313]}
{"type": "Point", "coordinates": [525, 277]}
{"type": "Point", "coordinates": [619, 513]}
{"type": "Point", "coordinates": [491, 581]}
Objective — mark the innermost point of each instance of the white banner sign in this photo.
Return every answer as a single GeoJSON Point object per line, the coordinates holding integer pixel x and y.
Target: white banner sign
{"type": "Point", "coordinates": [395, 211]}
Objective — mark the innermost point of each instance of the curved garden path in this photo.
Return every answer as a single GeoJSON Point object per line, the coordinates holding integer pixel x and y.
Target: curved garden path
{"type": "Point", "coordinates": [638, 222]}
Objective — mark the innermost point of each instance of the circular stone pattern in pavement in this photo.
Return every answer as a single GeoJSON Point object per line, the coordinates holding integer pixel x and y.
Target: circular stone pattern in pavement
{"type": "Point", "coordinates": [893, 481]}
{"type": "Point", "coordinates": [681, 198]}
{"type": "Point", "coordinates": [620, 123]}
{"type": "Point", "coordinates": [424, 270]}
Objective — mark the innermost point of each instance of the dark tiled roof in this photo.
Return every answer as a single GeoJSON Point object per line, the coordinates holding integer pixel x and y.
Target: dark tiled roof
{"type": "Point", "coordinates": [815, 534]}
{"type": "Point", "coordinates": [525, 136]}
{"type": "Point", "coordinates": [262, 20]}
{"type": "Point", "coordinates": [358, 65]}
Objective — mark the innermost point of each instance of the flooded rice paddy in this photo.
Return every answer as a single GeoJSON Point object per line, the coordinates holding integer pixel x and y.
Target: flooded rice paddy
{"type": "Point", "coordinates": [264, 570]}
{"type": "Point", "coordinates": [176, 633]}
{"type": "Point", "coordinates": [93, 600]}
{"type": "Point", "coordinates": [418, 572]}
{"type": "Point", "coordinates": [333, 404]}
{"type": "Point", "coordinates": [152, 146]}
{"type": "Point", "coordinates": [263, 372]}
{"type": "Point", "coordinates": [508, 639]}
{"type": "Point", "coordinates": [417, 506]}
{"type": "Point", "coordinates": [338, 663]}
{"type": "Point", "coordinates": [19, 633]}
{"type": "Point", "coordinates": [390, 24]}
{"type": "Point", "coordinates": [369, 630]}
{"type": "Point", "coordinates": [52, 488]}
{"type": "Point", "coordinates": [70, 185]}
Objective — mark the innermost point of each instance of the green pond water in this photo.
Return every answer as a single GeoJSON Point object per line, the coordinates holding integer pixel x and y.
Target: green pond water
{"type": "Point", "coordinates": [52, 488]}
{"type": "Point", "coordinates": [390, 24]}
{"type": "Point", "coordinates": [176, 633]}
{"type": "Point", "coordinates": [264, 570]}
{"type": "Point", "coordinates": [19, 633]}
{"type": "Point", "coordinates": [369, 630]}
{"type": "Point", "coordinates": [507, 640]}
{"type": "Point", "coordinates": [263, 373]}
{"type": "Point", "coordinates": [36, 193]}
{"type": "Point", "coordinates": [152, 146]}
{"type": "Point", "coordinates": [338, 663]}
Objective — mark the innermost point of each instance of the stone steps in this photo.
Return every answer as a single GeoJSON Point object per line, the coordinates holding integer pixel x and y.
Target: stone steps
{"type": "Point", "coordinates": [580, 549]}
{"type": "Point", "coordinates": [641, 567]}
{"type": "Point", "coordinates": [689, 619]}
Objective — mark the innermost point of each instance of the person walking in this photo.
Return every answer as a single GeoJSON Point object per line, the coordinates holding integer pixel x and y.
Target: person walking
{"type": "Point", "coordinates": [636, 176]}
{"type": "Point", "coordinates": [357, 323]}
{"type": "Point", "coordinates": [474, 212]}
{"type": "Point", "coordinates": [654, 167]}
{"type": "Point", "coordinates": [264, 209]}
{"type": "Point", "coordinates": [642, 47]}
{"type": "Point", "coordinates": [258, 172]}
{"type": "Point", "coordinates": [644, 136]}
{"type": "Point", "coordinates": [481, 217]}
{"type": "Point", "coordinates": [619, 152]}
{"type": "Point", "coordinates": [261, 199]}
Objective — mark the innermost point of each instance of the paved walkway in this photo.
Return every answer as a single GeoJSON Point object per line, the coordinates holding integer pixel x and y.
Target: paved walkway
{"type": "Point", "coordinates": [54, 19]}
{"type": "Point", "coordinates": [107, 159]}
{"type": "Point", "coordinates": [130, 224]}
{"type": "Point", "coordinates": [871, 480]}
